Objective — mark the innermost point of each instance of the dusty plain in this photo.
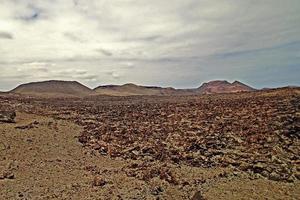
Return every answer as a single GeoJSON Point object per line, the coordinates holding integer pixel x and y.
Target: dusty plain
{"type": "Point", "coordinates": [223, 146]}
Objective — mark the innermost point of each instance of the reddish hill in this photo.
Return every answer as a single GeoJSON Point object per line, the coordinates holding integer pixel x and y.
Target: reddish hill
{"type": "Point", "coordinates": [207, 88]}
{"type": "Point", "coordinates": [223, 87]}
{"type": "Point", "coordinates": [56, 88]}
{"type": "Point", "coordinates": [53, 88]}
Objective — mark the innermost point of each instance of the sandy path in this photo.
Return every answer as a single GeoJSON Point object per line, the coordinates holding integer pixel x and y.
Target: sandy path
{"type": "Point", "coordinates": [47, 161]}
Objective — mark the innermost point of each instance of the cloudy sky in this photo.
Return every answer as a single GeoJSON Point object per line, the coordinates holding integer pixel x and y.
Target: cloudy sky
{"type": "Point", "coordinates": [178, 43]}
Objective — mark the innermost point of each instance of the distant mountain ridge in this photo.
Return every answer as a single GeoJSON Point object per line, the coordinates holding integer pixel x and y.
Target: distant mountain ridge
{"type": "Point", "coordinates": [54, 88]}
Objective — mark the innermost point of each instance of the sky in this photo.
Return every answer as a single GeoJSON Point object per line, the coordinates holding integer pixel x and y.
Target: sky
{"type": "Point", "coordinates": [177, 43]}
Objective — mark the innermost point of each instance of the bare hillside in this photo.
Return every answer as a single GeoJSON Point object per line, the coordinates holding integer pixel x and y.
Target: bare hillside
{"type": "Point", "coordinates": [53, 88]}
{"type": "Point", "coordinates": [224, 87]}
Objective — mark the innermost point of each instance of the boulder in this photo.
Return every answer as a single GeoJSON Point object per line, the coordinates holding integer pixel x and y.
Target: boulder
{"type": "Point", "coordinates": [99, 181]}
{"type": "Point", "coordinates": [7, 175]}
{"type": "Point", "coordinates": [7, 116]}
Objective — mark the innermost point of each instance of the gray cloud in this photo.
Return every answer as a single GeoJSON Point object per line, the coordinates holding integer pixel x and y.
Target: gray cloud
{"type": "Point", "coordinates": [152, 38]}
{"type": "Point", "coordinates": [180, 44]}
{"type": "Point", "coordinates": [6, 35]}
{"type": "Point", "coordinates": [27, 11]}
{"type": "Point", "coordinates": [73, 37]}
{"type": "Point", "coordinates": [105, 52]}
{"type": "Point", "coordinates": [33, 16]}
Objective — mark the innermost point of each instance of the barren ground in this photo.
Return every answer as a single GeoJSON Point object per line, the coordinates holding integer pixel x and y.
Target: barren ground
{"type": "Point", "coordinates": [46, 161]}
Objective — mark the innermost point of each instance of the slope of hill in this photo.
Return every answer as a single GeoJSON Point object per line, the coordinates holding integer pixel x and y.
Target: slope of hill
{"type": "Point", "coordinates": [223, 87]}
{"type": "Point", "coordinates": [207, 88]}
{"type": "Point", "coordinates": [132, 89]}
{"type": "Point", "coordinates": [53, 88]}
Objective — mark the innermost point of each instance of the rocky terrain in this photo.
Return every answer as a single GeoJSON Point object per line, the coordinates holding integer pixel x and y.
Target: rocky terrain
{"type": "Point", "coordinates": [228, 146]}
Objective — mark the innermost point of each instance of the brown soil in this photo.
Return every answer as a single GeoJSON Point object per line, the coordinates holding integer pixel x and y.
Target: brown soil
{"type": "Point", "coordinates": [48, 162]}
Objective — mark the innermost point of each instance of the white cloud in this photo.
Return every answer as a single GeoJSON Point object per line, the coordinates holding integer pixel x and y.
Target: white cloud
{"type": "Point", "coordinates": [141, 41]}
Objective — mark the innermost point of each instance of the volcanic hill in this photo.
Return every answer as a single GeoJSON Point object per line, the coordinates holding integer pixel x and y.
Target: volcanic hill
{"type": "Point", "coordinates": [130, 89]}
{"type": "Point", "coordinates": [56, 88]}
{"type": "Point", "coordinates": [223, 87]}
{"type": "Point", "coordinates": [53, 88]}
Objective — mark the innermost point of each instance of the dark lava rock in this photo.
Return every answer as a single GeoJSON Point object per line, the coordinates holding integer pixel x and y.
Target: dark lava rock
{"type": "Point", "coordinates": [7, 116]}
{"type": "Point", "coordinates": [28, 126]}
{"type": "Point", "coordinates": [7, 175]}
{"type": "Point", "coordinates": [198, 196]}
{"type": "Point", "coordinates": [157, 190]}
